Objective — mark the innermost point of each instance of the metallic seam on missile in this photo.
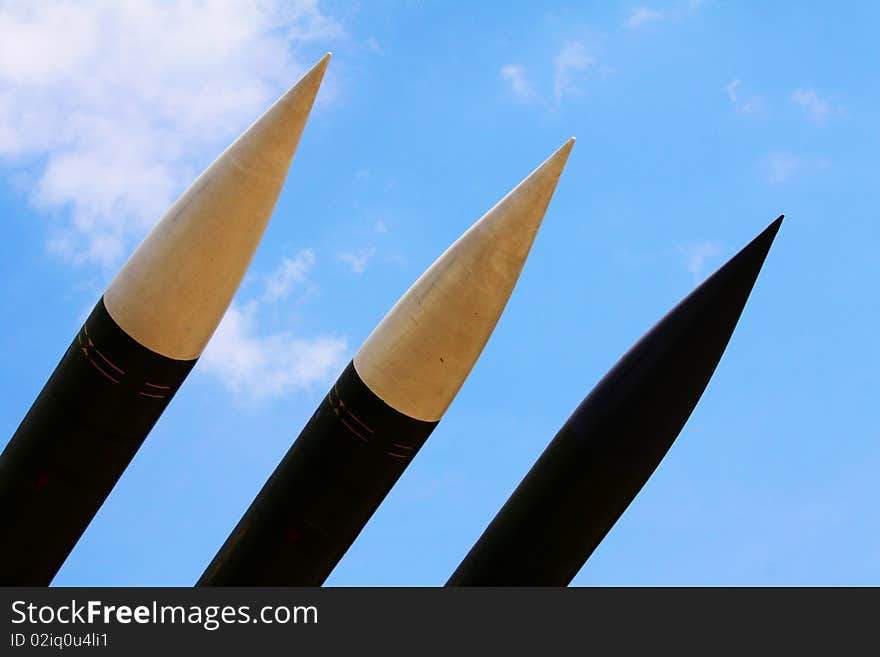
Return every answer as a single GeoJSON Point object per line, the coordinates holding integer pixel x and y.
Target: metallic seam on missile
{"type": "Point", "coordinates": [73, 445]}
{"type": "Point", "coordinates": [352, 430]}
{"type": "Point", "coordinates": [107, 360]}
{"type": "Point", "coordinates": [322, 493]}
{"type": "Point", "coordinates": [98, 367]}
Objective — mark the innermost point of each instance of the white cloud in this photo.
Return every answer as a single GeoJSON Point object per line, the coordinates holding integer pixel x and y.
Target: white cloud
{"type": "Point", "coordinates": [519, 84]}
{"type": "Point", "coordinates": [641, 16]}
{"type": "Point", "coordinates": [818, 109]}
{"type": "Point", "coordinates": [696, 255]}
{"type": "Point", "coordinates": [374, 46]}
{"type": "Point", "coordinates": [780, 166]}
{"type": "Point", "coordinates": [570, 65]}
{"type": "Point", "coordinates": [255, 366]}
{"type": "Point", "coordinates": [116, 105]}
{"type": "Point", "coordinates": [750, 104]}
{"type": "Point", "coordinates": [731, 89]}
{"type": "Point", "coordinates": [292, 271]}
{"type": "Point", "coordinates": [357, 261]}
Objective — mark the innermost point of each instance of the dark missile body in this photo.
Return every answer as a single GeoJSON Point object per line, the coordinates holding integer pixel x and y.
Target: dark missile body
{"type": "Point", "coordinates": [615, 439]}
{"type": "Point", "coordinates": [313, 506]}
{"type": "Point", "coordinates": [74, 443]}
{"type": "Point", "coordinates": [387, 402]}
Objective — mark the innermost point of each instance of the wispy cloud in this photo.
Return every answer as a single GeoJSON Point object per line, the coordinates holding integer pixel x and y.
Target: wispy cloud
{"type": "Point", "coordinates": [519, 83]}
{"type": "Point", "coordinates": [781, 166]}
{"type": "Point", "coordinates": [696, 255]}
{"type": "Point", "coordinates": [743, 103]}
{"type": "Point", "coordinates": [257, 366]}
{"type": "Point", "coordinates": [641, 16]}
{"type": "Point", "coordinates": [570, 67]}
{"type": "Point", "coordinates": [731, 90]}
{"type": "Point", "coordinates": [374, 46]}
{"type": "Point", "coordinates": [290, 273]}
{"type": "Point", "coordinates": [112, 107]}
{"type": "Point", "coordinates": [357, 261]}
{"type": "Point", "coordinates": [817, 108]}
{"type": "Point", "coordinates": [572, 64]}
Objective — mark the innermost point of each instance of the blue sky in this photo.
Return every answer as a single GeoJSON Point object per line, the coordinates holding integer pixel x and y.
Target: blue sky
{"type": "Point", "coordinates": [697, 124]}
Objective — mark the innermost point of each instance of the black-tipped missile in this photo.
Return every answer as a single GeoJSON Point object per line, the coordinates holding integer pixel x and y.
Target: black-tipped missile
{"type": "Point", "coordinates": [388, 400]}
{"type": "Point", "coordinates": [613, 442]}
{"type": "Point", "coordinates": [139, 343]}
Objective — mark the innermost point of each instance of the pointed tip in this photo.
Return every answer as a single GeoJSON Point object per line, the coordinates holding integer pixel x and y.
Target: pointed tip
{"type": "Point", "coordinates": [321, 64]}
{"type": "Point", "coordinates": [313, 76]}
{"type": "Point", "coordinates": [563, 151]}
{"type": "Point", "coordinates": [561, 154]}
{"type": "Point", "coordinates": [304, 90]}
{"type": "Point", "coordinates": [268, 145]}
{"type": "Point", "coordinates": [770, 231]}
{"type": "Point", "coordinates": [540, 184]}
{"type": "Point", "coordinates": [735, 278]}
{"type": "Point", "coordinates": [764, 239]}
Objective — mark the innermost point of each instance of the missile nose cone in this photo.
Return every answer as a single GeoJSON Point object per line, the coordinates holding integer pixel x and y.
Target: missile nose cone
{"type": "Point", "coordinates": [174, 289]}
{"type": "Point", "coordinates": [610, 446]}
{"type": "Point", "coordinates": [760, 246]}
{"type": "Point", "coordinates": [268, 146]}
{"type": "Point", "coordinates": [419, 355]}
{"type": "Point", "coordinates": [516, 218]}
{"type": "Point", "coordinates": [741, 270]}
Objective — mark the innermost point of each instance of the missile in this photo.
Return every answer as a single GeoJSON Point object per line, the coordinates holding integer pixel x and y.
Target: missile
{"type": "Point", "coordinates": [615, 439]}
{"type": "Point", "coordinates": [139, 343]}
{"type": "Point", "coordinates": [386, 402]}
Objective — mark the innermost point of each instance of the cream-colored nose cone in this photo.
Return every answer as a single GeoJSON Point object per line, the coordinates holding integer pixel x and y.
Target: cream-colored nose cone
{"type": "Point", "coordinates": [419, 355]}
{"type": "Point", "coordinates": [174, 289]}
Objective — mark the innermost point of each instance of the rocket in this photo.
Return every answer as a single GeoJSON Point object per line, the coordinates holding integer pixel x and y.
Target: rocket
{"type": "Point", "coordinates": [139, 343]}
{"type": "Point", "coordinates": [386, 402]}
{"type": "Point", "coordinates": [609, 447]}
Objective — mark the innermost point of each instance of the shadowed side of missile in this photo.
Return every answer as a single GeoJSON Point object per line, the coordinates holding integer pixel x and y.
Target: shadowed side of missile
{"type": "Point", "coordinates": [615, 439]}
{"type": "Point", "coordinates": [386, 403]}
{"type": "Point", "coordinates": [138, 345]}
{"type": "Point", "coordinates": [74, 443]}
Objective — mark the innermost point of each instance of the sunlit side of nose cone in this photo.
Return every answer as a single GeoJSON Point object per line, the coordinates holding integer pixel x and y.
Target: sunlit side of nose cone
{"type": "Point", "coordinates": [419, 355]}
{"type": "Point", "coordinates": [172, 293]}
